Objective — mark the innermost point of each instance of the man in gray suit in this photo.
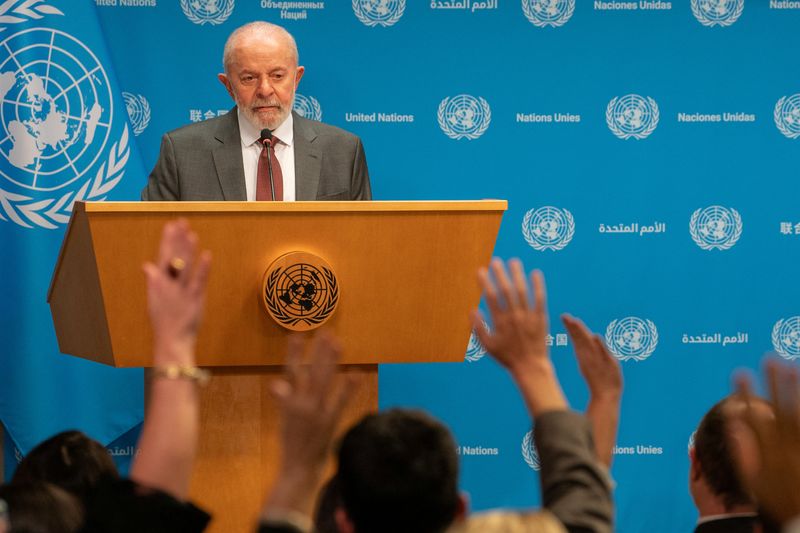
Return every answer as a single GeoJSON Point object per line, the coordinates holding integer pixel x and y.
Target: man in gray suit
{"type": "Point", "coordinates": [225, 158]}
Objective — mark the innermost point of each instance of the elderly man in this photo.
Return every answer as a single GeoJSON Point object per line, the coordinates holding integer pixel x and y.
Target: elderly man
{"type": "Point", "coordinates": [229, 157]}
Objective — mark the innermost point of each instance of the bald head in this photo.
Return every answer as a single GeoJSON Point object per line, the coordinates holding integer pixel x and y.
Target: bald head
{"type": "Point", "coordinates": [251, 34]}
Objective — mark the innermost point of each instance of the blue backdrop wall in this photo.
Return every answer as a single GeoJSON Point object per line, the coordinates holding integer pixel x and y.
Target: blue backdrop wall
{"type": "Point", "coordinates": [648, 151]}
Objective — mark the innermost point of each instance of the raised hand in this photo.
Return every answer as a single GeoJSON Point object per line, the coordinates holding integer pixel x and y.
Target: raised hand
{"type": "Point", "coordinates": [311, 406]}
{"type": "Point", "coordinates": [603, 375]}
{"type": "Point", "coordinates": [776, 483]}
{"type": "Point", "coordinates": [176, 288]}
{"type": "Point", "coordinates": [519, 331]}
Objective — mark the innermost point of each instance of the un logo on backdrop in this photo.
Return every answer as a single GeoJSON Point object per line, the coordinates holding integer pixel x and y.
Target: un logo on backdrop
{"type": "Point", "coordinates": [207, 11]}
{"type": "Point", "coordinates": [57, 113]}
{"type": "Point", "coordinates": [717, 12]}
{"type": "Point", "coordinates": [548, 228]}
{"type": "Point", "coordinates": [529, 452]}
{"type": "Point", "coordinates": [715, 227]}
{"type": "Point", "coordinates": [475, 350]}
{"type": "Point", "coordinates": [632, 116]}
{"type": "Point", "coordinates": [379, 12]}
{"type": "Point", "coordinates": [307, 107]}
{"type": "Point", "coordinates": [552, 13]}
{"type": "Point", "coordinates": [787, 115]}
{"type": "Point", "coordinates": [786, 337]}
{"type": "Point", "coordinates": [138, 111]}
{"type": "Point", "coordinates": [464, 116]}
{"type": "Point", "coordinates": [631, 338]}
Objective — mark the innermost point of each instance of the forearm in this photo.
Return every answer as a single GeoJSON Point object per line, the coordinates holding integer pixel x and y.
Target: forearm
{"type": "Point", "coordinates": [539, 387]}
{"type": "Point", "coordinates": [574, 487]}
{"type": "Point", "coordinates": [603, 415]}
{"type": "Point", "coordinates": [293, 495]}
{"type": "Point", "coordinates": [168, 444]}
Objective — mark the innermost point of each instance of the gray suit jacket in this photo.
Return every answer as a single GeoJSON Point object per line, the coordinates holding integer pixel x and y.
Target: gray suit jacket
{"type": "Point", "coordinates": [203, 162]}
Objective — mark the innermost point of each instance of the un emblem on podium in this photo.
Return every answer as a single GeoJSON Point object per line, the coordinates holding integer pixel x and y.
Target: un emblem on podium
{"type": "Point", "coordinates": [300, 291]}
{"type": "Point", "coordinates": [786, 338]}
{"type": "Point", "coordinates": [717, 12]}
{"type": "Point", "coordinates": [632, 338]}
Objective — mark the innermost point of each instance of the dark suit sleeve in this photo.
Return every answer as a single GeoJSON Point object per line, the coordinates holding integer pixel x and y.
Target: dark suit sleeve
{"type": "Point", "coordinates": [574, 487]}
{"type": "Point", "coordinates": [360, 188]}
{"type": "Point", "coordinates": [162, 184]}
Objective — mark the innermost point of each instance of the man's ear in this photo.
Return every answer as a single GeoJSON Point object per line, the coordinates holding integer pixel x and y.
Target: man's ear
{"type": "Point", "coordinates": [343, 522]}
{"type": "Point", "coordinates": [297, 76]}
{"type": "Point", "coordinates": [462, 507]}
{"type": "Point", "coordinates": [694, 465]}
{"type": "Point", "coordinates": [227, 83]}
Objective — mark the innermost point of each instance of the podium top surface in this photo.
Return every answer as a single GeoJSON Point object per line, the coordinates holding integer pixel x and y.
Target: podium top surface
{"type": "Point", "coordinates": [255, 207]}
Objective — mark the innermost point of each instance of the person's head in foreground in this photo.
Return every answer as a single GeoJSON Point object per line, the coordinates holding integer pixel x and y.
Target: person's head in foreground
{"type": "Point", "coordinates": [398, 472]}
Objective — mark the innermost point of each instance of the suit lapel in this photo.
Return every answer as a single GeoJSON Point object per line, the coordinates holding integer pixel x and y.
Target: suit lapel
{"type": "Point", "coordinates": [228, 158]}
{"type": "Point", "coordinates": [307, 159]}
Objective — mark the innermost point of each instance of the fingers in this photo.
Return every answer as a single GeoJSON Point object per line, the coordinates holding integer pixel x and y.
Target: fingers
{"type": "Point", "coordinates": [520, 283]}
{"type": "Point", "coordinates": [578, 332]}
{"type": "Point", "coordinates": [489, 292]}
{"type": "Point", "coordinates": [325, 352]}
{"type": "Point", "coordinates": [500, 275]}
{"type": "Point", "coordinates": [199, 276]}
{"type": "Point", "coordinates": [539, 291]}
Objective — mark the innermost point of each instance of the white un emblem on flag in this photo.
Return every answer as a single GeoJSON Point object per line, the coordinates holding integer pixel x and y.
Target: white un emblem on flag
{"type": "Point", "coordinates": [551, 13]}
{"type": "Point", "coordinates": [717, 12]}
{"type": "Point", "coordinates": [464, 116]}
{"type": "Point", "coordinates": [786, 337]}
{"type": "Point", "coordinates": [379, 12]}
{"type": "Point", "coordinates": [307, 107]}
{"type": "Point", "coordinates": [632, 116]}
{"type": "Point", "coordinates": [207, 11]}
{"type": "Point", "coordinates": [57, 113]}
{"type": "Point", "coordinates": [715, 227]}
{"type": "Point", "coordinates": [548, 228]}
{"type": "Point", "coordinates": [787, 116]}
{"type": "Point", "coordinates": [631, 338]}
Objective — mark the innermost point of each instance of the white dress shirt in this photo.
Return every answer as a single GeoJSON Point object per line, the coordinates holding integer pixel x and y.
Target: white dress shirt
{"type": "Point", "coordinates": [284, 153]}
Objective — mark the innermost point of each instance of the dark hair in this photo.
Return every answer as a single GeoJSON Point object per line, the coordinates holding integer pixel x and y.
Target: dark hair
{"type": "Point", "coordinates": [70, 460]}
{"type": "Point", "coordinates": [713, 452]}
{"type": "Point", "coordinates": [39, 507]}
{"type": "Point", "coordinates": [327, 502]}
{"type": "Point", "coordinates": [398, 472]}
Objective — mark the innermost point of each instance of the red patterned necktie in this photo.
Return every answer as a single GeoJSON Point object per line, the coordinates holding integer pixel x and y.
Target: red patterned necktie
{"type": "Point", "coordinates": [263, 191]}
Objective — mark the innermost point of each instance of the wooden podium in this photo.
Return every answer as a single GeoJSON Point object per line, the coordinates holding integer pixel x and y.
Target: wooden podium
{"type": "Point", "coordinates": [406, 277]}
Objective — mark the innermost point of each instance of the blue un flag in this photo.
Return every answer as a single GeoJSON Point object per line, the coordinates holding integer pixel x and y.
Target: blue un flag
{"type": "Point", "coordinates": [65, 138]}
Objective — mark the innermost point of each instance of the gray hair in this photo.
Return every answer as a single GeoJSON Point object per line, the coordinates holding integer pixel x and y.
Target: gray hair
{"type": "Point", "coordinates": [259, 27]}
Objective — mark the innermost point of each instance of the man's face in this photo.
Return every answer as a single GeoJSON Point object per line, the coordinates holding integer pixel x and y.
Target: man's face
{"type": "Point", "coordinates": [262, 78]}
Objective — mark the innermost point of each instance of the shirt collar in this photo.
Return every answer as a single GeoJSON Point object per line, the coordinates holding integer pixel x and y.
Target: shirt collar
{"type": "Point", "coordinates": [711, 518]}
{"type": "Point", "coordinates": [250, 134]}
